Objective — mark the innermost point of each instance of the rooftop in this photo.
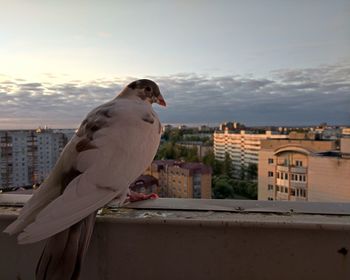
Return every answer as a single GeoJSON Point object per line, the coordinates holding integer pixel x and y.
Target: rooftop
{"type": "Point", "coordinates": [192, 166]}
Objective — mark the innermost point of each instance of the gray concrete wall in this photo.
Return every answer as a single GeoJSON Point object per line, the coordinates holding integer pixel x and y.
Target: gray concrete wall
{"type": "Point", "coordinates": [173, 244]}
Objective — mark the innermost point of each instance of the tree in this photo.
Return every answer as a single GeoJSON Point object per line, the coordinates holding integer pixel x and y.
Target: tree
{"type": "Point", "coordinates": [227, 168]}
{"type": "Point", "coordinates": [166, 151]}
{"type": "Point", "coordinates": [222, 188]}
{"type": "Point", "coordinates": [175, 135]}
{"type": "Point", "coordinates": [242, 172]}
{"type": "Point", "coordinates": [209, 159]}
{"type": "Point", "coordinates": [252, 190]}
{"type": "Point", "coordinates": [252, 171]}
{"type": "Point", "coordinates": [216, 165]}
{"type": "Point", "coordinates": [192, 155]}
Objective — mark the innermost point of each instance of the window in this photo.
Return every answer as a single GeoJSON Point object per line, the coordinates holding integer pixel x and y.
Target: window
{"type": "Point", "coordinates": [270, 160]}
{"type": "Point", "coordinates": [298, 163]}
{"type": "Point", "coordinates": [278, 175]}
{"type": "Point", "coordinates": [277, 188]}
{"type": "Point", "coordinates": [270, 174]}
{"type": "Point", "coordinates": [270, 187]}
{"type": "Point", "coordinates": [286, 176]}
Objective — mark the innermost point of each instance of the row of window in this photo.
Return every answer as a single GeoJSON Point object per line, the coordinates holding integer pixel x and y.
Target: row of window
{"type": "Point", "coordinates": [294, 192]}
{"type": "Point", "coordinates": [298, 177]}
{"type": "Point", "coordinates": [286, 162]}
{"type": "Point", "coordinates": [284, 176]}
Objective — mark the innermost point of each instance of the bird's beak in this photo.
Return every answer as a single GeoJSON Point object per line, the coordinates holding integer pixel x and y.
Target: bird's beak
{"type": "Point", "coordinates": [161, 101]}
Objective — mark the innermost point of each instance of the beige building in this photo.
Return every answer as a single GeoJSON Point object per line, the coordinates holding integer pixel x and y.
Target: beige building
{"type": "Point", "coordinates": [243, 147]}
{"type": "Point", "coordinates": [181, 179]}
{"type": "Point", "coordinates": [304, 170]}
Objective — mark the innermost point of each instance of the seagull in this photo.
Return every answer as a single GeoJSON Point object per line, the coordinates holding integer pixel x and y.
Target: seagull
{"type": "Point", "coordinates": [113, 146]}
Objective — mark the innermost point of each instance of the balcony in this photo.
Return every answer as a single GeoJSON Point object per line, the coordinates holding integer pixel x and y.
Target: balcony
{"type": "Point", "coordinates": [298, 169]}
{"type": "Point", "coordinates": [282, 182]}
{"type": "Point", "coordinates": [297, 198]}
{"type": "Point", "coordinates": [297, 184]}
{"type": "Point", "coordinates": [205, 239]}
{"type": "Point", "coordinates": [282, 168]}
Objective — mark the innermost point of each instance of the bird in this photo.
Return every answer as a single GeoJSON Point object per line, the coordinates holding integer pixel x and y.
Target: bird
{"type": "Point", "coordinates": [114, 145]}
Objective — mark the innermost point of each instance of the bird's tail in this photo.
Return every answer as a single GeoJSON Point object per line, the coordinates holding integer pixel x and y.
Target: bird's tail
{"type": "Point", "coordinates": [64, 252]}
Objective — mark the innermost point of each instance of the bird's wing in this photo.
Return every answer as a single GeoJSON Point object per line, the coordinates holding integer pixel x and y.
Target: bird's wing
{"type": "Point", "coordinates": [49, 190]}
{"type": "Point", "coordinates": [62, 174]}
{"type": "Point", "coordinates": [110, 156]}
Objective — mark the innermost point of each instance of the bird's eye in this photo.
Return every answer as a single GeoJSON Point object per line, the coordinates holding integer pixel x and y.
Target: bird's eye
{"type": "Point", "coordinates": [148, 89]}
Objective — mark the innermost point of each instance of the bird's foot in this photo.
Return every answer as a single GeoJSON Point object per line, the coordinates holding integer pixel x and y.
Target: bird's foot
{"type": "Point", "coordinates": [134, 196]}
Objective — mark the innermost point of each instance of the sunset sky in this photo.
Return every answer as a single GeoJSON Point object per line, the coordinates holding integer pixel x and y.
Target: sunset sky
{"type": "Point", "coordinates": [257, 62]}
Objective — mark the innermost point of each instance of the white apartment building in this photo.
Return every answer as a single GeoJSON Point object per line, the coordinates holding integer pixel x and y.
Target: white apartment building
{"type": "Point", "coordinates": [243, 147]}
{"type": "Point", "coordinates": [27, 156]}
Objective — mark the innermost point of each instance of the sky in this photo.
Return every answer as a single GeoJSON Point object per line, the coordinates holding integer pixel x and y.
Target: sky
{"type": "Point", "coordinates": [256, 62]}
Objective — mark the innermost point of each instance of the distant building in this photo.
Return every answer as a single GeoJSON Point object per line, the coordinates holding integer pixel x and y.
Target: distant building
{"type": "Point", "coordinates": [231, 126]}
{"type": "Point", "coordinates": [243, 146]}
{"type": "Point", "coordinates": [68, 132]}
{"type": "Point", "coordinates": [202, 149]}
{"type": "Point", "coordinates": [167, 127]}
{"type": "Point", "coordinates": [199, 136]}
{"type": "Point", "coordinates": [27, 156]}
{"type": "Point", "coordinates": [204, 128]}
{"type": "Point", "coordinates": [181, 179]}
{"type": "Point", "coordinates": [303, 135]}
{"type": "Point", "coordinates": [304, 170]}
{"type": "Point", "coordinates": [345, 131]}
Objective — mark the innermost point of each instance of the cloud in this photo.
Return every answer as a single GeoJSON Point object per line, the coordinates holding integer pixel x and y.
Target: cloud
{"type": "Point", "coordinates": [288, 97]}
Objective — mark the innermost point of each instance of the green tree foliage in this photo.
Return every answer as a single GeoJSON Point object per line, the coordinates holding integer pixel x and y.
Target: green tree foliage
{"type": "Point", "coordinates": [166, 151]}
{"type": "Point", "coordinates": [216, 165]}
{"type": "Point", "coordinates": [252, 171]}
{"type": "Point", "coordinates": [227, 168]}
{"type": "Point", "coordinates": [175, 135]}
{"type": "Point", "coordinates": [170, 150]}
{"type": "Point", "coordinates": [223, 187]}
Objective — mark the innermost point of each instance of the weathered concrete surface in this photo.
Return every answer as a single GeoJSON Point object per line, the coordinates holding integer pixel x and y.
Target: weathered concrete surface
{"type": "Point", "coordinates": [176, 244]}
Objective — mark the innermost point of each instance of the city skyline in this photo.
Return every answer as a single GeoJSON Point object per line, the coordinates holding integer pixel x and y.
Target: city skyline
{"type": "Point", "coordinates": [274, 63]}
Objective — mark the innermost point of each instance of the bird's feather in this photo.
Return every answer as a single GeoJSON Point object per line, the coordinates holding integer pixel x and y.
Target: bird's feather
{"type": "Point", "coordinates": [113, 146]}
{"type": "Point", "coordinates": [64, 252]}
{"type": "Point", "coordinates": [121, 147]}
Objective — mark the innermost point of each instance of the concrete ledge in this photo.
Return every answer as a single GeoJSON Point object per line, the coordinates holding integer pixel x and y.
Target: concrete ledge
{"type": "Point", "coordinates": [146, 241]}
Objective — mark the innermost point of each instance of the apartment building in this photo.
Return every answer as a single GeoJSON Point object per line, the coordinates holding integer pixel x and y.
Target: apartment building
{"type": "Point", "coordinates": [304, 170]}
{"type": "Point", "coordinates": [202, 149]}
{"type": "Point", "coordinates": [181, 179]}
{"type": "Point", "coordinates": [242, 146]}
{"type": "Point", "coordinates": [27, 156]}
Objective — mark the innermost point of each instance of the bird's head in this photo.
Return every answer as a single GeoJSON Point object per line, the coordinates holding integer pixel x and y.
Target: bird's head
{"type": "Point", "coordinates": [145, 89]}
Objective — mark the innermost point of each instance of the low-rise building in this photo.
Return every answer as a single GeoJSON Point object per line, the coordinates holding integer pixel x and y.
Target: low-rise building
{"type": "Point", "coordinates": [304, 170]}
{"type": "Point", "coordinates": [181, 179]}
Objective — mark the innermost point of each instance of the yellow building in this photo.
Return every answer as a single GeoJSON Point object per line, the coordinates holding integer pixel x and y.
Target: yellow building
{"type": "Point", "coordinates": [304, 170]}
{"type": "Point", "coordinates": [181, 179]}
